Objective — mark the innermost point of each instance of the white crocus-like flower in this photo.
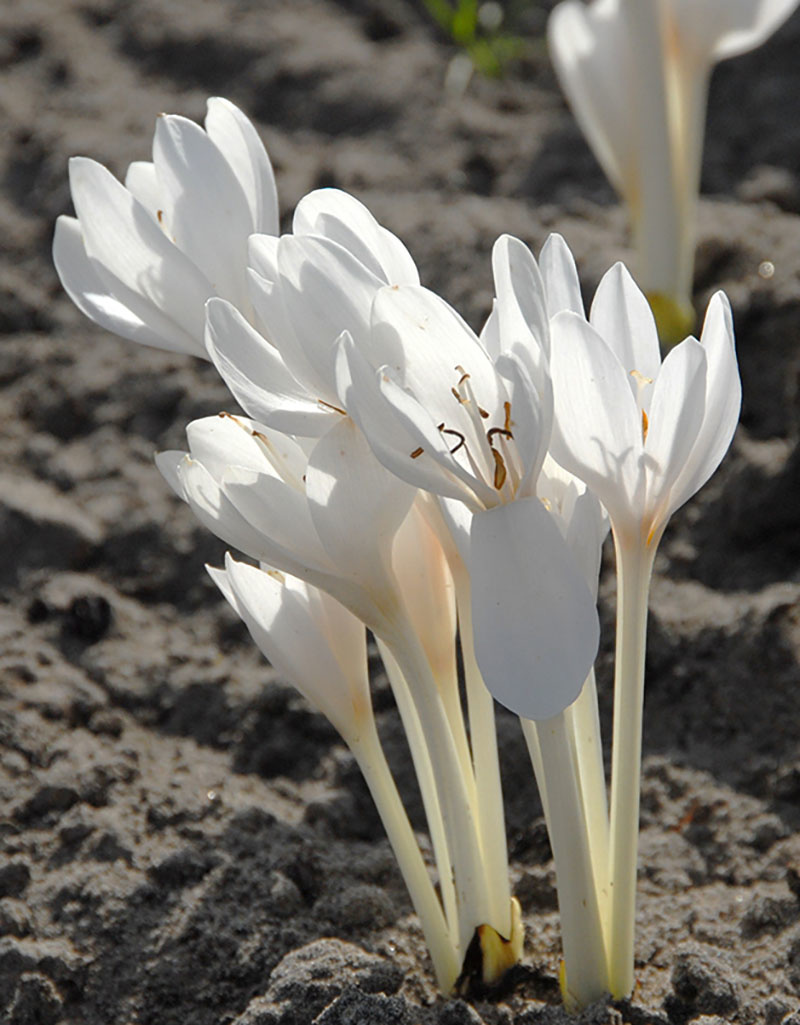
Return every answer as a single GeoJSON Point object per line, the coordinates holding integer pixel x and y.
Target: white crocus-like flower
{"type": "Point", "coordinates": [636, 74]}
{"type": "Point", "coordinates": [644, 436]}
{"type": "Point", "coordinates": [317, 645]}
{"type": "Point", "coordinates": [447, 419]}
{"type": "Point", "coordinates": [307, 287]}
{"type": "Point", "coordinates": [141, 259]}
{"type": "Point", "coordinates": [330, 518]}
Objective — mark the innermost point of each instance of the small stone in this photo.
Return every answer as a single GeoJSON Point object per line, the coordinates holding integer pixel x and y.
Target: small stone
{"type": "Point", "coordinates": [704, 984]}
{"type": "Point", "coordinates": [14, 877]}
{"type": "Point", "coordinates": [36, 1001]}
{"type": "Point", "coordinates": [766, 915]}
{"type": "Point", "coordinates": [88, 617]}
{"type": "Point", "coordinates": [775, 1010]}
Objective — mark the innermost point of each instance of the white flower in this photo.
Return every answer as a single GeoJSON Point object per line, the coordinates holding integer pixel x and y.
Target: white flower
{"type": "Point", "coordinates": [142, 259]}
{"type": "Point", "coordinates": [447, 418]}
{"type": "Point", "coordinates": [307, 287]}
{"type": "Point", "coordinates": [636, 74]}
{"type": "Point", "coordinates": [644, 435]}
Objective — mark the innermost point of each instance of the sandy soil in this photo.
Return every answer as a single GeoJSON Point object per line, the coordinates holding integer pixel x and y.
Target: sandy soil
{"type": "Point", "coordinates": [183, 840]}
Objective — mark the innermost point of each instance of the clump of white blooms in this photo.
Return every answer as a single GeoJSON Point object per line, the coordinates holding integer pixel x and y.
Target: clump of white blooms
{"type": "Point", "coordinates": [392, 470]}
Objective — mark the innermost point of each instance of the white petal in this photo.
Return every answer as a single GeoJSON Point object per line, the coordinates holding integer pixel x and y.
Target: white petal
{"type": "Point", "coordinates": [560, 276]}
{"type": "Point", "coordinates": [168, 465]}
{"type": "Point", "coordinates": [597, 432]}
{"type": "Point", "coordinates": [490, 333]}
{"type": "Point", "coordinates": [426, 343]}
{"type": "Point", "coordinates": [120, 234]}
{"type": "Point", "coordinates": [219, 441]}
{"type": "Point", "coordinates": [393, 434]}
{"type": "Point", "coordinates": [207, 212]}
{"type": "Point", "coordinates": [590, 52]}
{"type": "Point", "coordinates": [722, 403]}
{"type": "Point", "coordinates": [141, 182]}
{"type": "Point", "coordinates": [281, 517]}
{"type": "Point", "coordinates": [237, 140]}
{"type": "Point", "coordinates": [274, 324]}
{"type": "Point", "coordinates": [109, 303]}
{"type": "Point", "coordinates": [718, 29]}
{"type": "Point", "coordinates": [262, 254]}
{"type": "Point", "coordinates": [536, 626]}
{"type": "Point", "coordinates": [356, 504]}
{"type": "Point", "coordinates": [290, 622]}
{"type": "Point", "coordinates": [326, 290]}
{"type": "Point", "coordinates": [521, 300]}
{"type": "Point", "coordinates": [257, 375]}
{"type": "Point", "coordinates": [341, 218]}
{"type": "Point", "coordinates": [676, 414]}
{"type": "Point", "coordinates": [622, 316]}
{"type": "Point", "coordinates": [216, 512]}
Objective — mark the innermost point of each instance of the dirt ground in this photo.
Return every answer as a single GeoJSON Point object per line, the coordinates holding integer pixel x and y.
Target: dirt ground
{"type": "Point", "coordinates": [183, 841]}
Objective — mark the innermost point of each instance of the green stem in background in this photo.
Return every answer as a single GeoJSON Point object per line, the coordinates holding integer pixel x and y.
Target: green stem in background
{"type": "Point", "coordinates": [368, 752]}
{"type": "Point", "coordinates": [483, 736]}
{"type": "Point", "coordinates": [634, 568]}
{"type": "Point", "coordinates": [427, 786]}
{"type": "Point", "coordinates": [585, 973]}
{"type": "Point", "coordinates": [584, 721]}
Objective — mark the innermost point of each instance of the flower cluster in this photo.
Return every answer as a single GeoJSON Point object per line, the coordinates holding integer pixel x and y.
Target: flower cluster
{"type": "Point", "coordinates": [392, 470]}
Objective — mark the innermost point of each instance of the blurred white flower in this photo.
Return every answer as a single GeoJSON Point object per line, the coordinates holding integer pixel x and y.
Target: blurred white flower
{"type": "Point", "coordinates": [636, 75]}
{"type": "Point", "coordinates": [142, 259]}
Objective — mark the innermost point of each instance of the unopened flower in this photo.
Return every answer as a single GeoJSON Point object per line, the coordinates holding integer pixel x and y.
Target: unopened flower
{"type": "Point", "coordinates": [141, 259]}
{"type": "Point", "coordinates": [636, 74]}
{"type": "Point", "coordinates": [644, 436]}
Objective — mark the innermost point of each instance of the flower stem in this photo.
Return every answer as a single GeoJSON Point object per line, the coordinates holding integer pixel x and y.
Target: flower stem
{"type": "Point", "coordinates": [583, 718]}
{"type": "Point", "coordinates": [461, 825]}
{"type": "Point", "coordinates": [634, 567]}
{"type": "Point", "coordinates": [427, 784]}
{"type": "Point", "coordinates": [586, 974]}
{"type": "Point", "coordinates": [483, 736]}
{"type": "Point", "coordinates": [369, 754]}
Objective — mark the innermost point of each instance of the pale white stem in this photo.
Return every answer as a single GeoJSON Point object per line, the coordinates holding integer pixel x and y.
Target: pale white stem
{"type": "Point", "coordinates": [427, 785]}
{"type": "Point", "coordinates": [535, 753]}
{"type": "Point", "coordinates": [368, 752]}
{"type": "Point", "coordinates": [447, 685]}
{"type": "Point", "coordinates": [460, 823]}
{"type": "Point", "coordinates": [652, 196]}
{"type": "Point", "coordinates": [584, 721]}
{"type": "Point", "coordinates": [585, 976]}
{"type": "Point", "coordinates": [483, 735]}
{"type": "Point", "coordinates": [634, 567]}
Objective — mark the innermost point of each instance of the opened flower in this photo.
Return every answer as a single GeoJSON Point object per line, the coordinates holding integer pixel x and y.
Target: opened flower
{"type": "Point", "coordinates": [636, 74]}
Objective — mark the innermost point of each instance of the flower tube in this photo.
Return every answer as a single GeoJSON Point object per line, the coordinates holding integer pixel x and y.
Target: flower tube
{"type": "Point", "coordinates": [321, 648]}
{"type": "Point", "coordinates": [636, 74]}
{"type": "Point", "coordinates": [644, 436]}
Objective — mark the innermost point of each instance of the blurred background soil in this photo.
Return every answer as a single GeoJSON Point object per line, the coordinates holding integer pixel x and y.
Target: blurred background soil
{"type": "Point", "coordinates": [183, 840]}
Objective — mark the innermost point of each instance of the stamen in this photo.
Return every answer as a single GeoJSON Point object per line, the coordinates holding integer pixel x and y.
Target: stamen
{"type": "Point", "coordinates": [457, 434]}
{"type": "Point", "coordinates": [645, 425]}
{"type": "Point", "coordinates": [500, 472]}
{"type": "Point", "coordinates": [328, 405]}
{"type": "Point", "coordinates": [417, 452]}
{"type": "Point", "coordinates": [498, 430]}
{"type": "Point", "coordinates": [160, 216]}
{"type": "Point", "coordinates": [507, 424]}
{"type": "Point", "coordinates": [483, 413]}
{"type": "Point", "coordinates": [459, 398]}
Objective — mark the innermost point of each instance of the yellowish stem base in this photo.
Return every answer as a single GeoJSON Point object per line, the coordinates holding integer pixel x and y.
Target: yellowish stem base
{"type": "Point", "coordinates": [490, 956]}
{"type": "Point", "coordinates": [674, 319]}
